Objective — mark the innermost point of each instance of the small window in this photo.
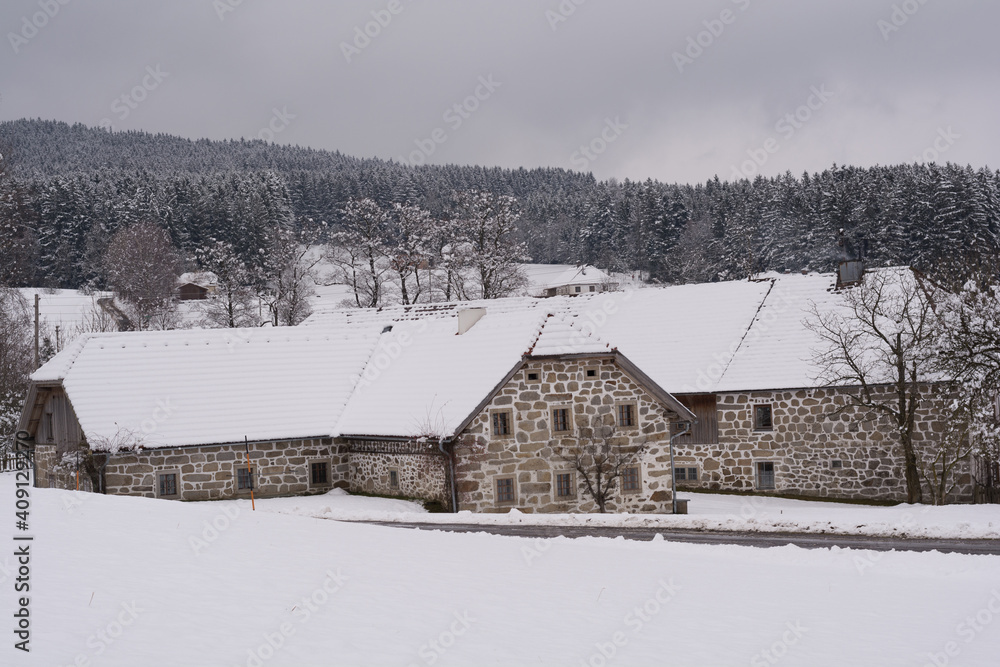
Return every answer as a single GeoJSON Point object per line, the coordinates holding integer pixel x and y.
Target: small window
{"type": "Point", "coordinates": [837, 463]}
{"type": "Point", "coordinates": [591, 372]}
{"type": "Point", "coordinates": [501, 422]}
{"type": "Point", "coordinates": [319, 472]}
{"type": "Point", "coordinates": [630, 479]}
{"type": "Point", "coordinates": [564, 485]}
{"type": "Point", "coordinates": [762, 417]}
{"type": "Point", "coordinates": [393, 479]}
{"type": "Point", "coordinates": [505, 490]}
{"type": "Point", "coordinates": [167, 483]}
{"type": "Point", "coordinates": [686, 474]}
{"type": "Point", "coordinates": [532, 377]}
{"type": "Point", "coordinates": [765, 474]}
{"type": "Point", "coordinates": [50, 436]}
{"type": "Point", "coordinates": [560, 419]}
{"type": "Point", "coordinates": [626, 415]}
{"type": "Point", "coordinates": [593, 289]}
{"type": "Point", "coordinates": [577, 289]}
{"type": "Point", "coordinates": [244, 479]}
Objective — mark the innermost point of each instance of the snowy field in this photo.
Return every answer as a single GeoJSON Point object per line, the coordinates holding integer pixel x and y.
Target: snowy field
{"type": "Point", "coordinates": [706, 512]}
{"type": "Point", "coordinates": [131, 581]}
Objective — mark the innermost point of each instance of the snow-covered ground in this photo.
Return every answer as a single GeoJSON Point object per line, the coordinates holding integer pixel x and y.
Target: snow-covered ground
{"type": "Point", "coordinates": [131, 581]}
{"type": "Point", "coordinates": [707, 511]}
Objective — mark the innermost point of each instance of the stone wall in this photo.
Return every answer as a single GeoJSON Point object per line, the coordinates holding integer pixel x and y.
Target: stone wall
{"type": "Point", "coordinates": [531, 454]}
{"type": "Point", "coordinates": [209, 472]}
{"type": "Point", "coordinates": [421, 470]}
{"type": "Point", "coordinates": [819, 446]}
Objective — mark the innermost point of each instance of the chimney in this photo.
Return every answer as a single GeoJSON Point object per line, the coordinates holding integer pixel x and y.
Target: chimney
{"type": "Point", "coordinates": [467, 318]}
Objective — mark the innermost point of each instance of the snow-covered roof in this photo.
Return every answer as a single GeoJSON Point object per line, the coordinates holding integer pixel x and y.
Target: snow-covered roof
{"type": "Point", "coordinates": [405, 371]}
{"type": "Point", "coordinates": [200, 278]}
{"type": "Point", "coordinates": [542, 277]}
{"type": "Point", "coordinates": [179, 388]}
{"type": "Point", "coordinates": [424, 379]}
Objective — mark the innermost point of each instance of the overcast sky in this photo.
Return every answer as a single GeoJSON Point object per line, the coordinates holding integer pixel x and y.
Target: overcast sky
{"type": "Point", "coordinates": [673, 90]}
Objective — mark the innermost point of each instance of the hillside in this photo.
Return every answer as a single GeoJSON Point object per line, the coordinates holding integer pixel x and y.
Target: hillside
{"type": "Point", "coordinates": [74, 186]}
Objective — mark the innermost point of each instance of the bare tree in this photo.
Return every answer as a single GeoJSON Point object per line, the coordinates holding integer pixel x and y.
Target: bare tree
{"type": "Point", "coordinates": [359, 252]}
{"type": "Point", "coordinates": [141, 266]}
{"type": "Point", "coordinates": [16, 358]}
{"type": "Point", "coordinates": [234, 303]}
{"type": "Point", "coordinates": [290, 274]}
{"type": "Point", "coordinates": [410, 249]}
{"type": "Point", "coordinates": [881, 343]}
{"type": "Point", "coordinates": [491, 250]}
{"type": "Point", "coordinates": [968, 350]}
{"type": "Point", "coordinates": [600, 456]}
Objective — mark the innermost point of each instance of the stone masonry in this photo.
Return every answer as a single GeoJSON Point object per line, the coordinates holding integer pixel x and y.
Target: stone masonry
{"type": "Point", "coordinates": [530, 455]}
{"type": "Point", "coordinates": [816, 445]}
{"type": "Point", "coordinates": [421, 471]}
{"type": "Point", "coordinates": [209, 472]}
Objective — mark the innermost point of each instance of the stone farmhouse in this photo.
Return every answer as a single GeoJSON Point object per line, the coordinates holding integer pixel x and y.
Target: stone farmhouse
{"type": "Point", "coordinates": [474, 405]}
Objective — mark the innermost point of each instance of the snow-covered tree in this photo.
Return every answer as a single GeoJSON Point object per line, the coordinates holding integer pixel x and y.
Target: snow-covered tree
{"type": "Point", "coordinates": [141, 266]}
{"type": "Point", "coordinates": [491, 252]}
{"type": "Point", "coordinates": [235, 302]}
{"type": "Point", "coordinates": [359, 251]}
{"type": "Point", "coordinates": [410, 248]}
{"type": "Point", "coordinates": [16, 359]}
{"type": "Point", "coordinates": [289, 274]}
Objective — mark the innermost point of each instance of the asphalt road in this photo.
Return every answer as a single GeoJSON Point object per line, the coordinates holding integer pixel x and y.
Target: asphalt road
{"type": "Point", "coordinates": [763, 540]}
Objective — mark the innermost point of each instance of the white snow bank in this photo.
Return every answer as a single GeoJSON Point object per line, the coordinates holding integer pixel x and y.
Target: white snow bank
{"type": "Point", "coordinates": [132, 581]}
{"type": "Point", "coordinates": [707, 512]}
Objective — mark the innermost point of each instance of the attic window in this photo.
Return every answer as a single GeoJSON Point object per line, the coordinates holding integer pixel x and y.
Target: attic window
{"type": "Point", "coordinates": [532, 377]}
{"type": "Point", "coordinates": [837, 463]}
{"type": "Point", "coordinates": [591, 372]}
{"type": "Point", "coordinates": [500, 423]}
{"type": "Point", "coordinates": [626, 415]}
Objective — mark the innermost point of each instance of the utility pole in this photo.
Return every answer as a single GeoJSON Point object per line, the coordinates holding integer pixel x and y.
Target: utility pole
{"type": "Point", "coordinates": [37, 359]}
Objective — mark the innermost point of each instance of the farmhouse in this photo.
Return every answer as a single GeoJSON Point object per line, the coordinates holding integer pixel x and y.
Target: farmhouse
{"type": "Point", "coordinates": [480, 405]}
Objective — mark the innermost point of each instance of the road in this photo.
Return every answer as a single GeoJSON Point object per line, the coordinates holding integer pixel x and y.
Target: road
{"type": "Point", "coordinates": [805, 540]}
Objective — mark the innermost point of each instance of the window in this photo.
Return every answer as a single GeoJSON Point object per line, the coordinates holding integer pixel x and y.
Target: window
{"type": "Point", "coordinates": [500, 422]}
{"type": "Point", "coordinates": [626, 414]}
{"type": "Point", "coordinates": [837, 463]}
{"type": "Point", "coordinates": [593, 289]}
{"type": "Point", "coordinates": [393, 479]}
{"type": "Point", "coordinates": [560, 419]}
{"type": "Point", "coordinates": [577, 289]}
{"type": "Point", "coordinates": [765, 474]}
{"type": "Point", "coordinates": [591, 372]}
{"type": "Point", "coordinates": [630, 479]}
{"type": "Point", "coordinates": [686, 474]}
{"type": "Point", "coordinates": [244, 480]}
{"type": "Point", "coordinates": [532, 377]}
{"type": "Point", "coordinates": [167, 483]}
{"type": "Point", "coordinates": [50, 436]}
{"type": "Point", "coordinates": [762, 417]}
{"type": "Point", "coordinates": [564, 485]}
{"type": "Point", "coordinates": [319, 472]}
{"type": "Point", "coordinates": [505, 490]}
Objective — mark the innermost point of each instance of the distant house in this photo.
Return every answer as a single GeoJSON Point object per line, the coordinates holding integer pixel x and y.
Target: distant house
{"type": "Point", "coordinates": [473, 405]}
{"type": "Point", "coordinates": [557, 280]}
{"type": "Point", "coordinates": [196, 286]}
